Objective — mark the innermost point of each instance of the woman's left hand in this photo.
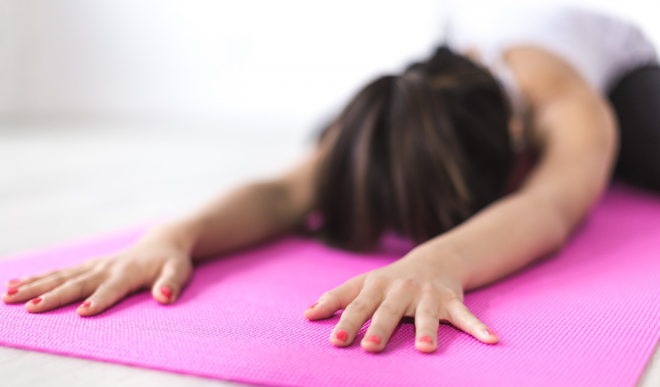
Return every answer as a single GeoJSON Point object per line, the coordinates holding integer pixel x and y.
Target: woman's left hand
{"type": "Point", "coordinates": [424, 284]}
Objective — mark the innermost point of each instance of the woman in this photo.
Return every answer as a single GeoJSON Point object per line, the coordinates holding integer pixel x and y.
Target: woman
{"type": "Point", "coordinates": [484, 179]}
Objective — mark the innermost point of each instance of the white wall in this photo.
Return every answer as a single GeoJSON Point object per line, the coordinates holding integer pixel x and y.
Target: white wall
{"type": "Point", "coordinates": [199, 61]}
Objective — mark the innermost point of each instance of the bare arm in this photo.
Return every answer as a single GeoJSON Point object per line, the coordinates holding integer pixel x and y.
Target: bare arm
{"type": "Point", "coordinates": [162, 259]}
{"type": "Point", "coordinates": [246, 215]}
{"type": "Point", "coordinates": [577, 132]}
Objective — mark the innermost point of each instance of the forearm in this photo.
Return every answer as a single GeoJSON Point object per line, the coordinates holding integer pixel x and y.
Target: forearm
{"type": "Point", "coordinates": [243, 216]}
{"type": "Point", "coordinates": [507, 235]}
{"type": "Point", "coordinates": [573, 172]}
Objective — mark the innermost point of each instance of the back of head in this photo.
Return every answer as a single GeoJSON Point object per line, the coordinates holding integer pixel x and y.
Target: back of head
{"type": "Point", "coordinates": [417, 152]}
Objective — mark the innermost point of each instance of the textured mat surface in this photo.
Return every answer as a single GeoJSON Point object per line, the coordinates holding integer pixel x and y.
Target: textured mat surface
{"type": "Point", "coordinates": [588, 316]}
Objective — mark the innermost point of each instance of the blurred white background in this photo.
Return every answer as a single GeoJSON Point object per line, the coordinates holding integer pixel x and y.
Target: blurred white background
{"type": "Point", "coordinates": [119, 112]}
{"type": "Point", "coordinates": [203, 61]}
{"type": "Point", "coordinates": [116, 112]}
{"type": "Point", "coordinates": [200, 61]}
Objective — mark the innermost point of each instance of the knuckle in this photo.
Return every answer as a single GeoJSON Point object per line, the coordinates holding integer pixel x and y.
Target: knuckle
{"type": "Point", "coordinates": [55, 297]}
{"type": "Point", "coordinates": [357, 306]}
{"type": "Point", "coordinates": [379, 281]}
{"type": "Point", "coordinates": [181, 276]}
{"type": "Point", "coordinates": [113, 287]}
{"type": "Point", "coordinates": [357, 281]}
{"type": "Point", "coordinates": [57, 276]}
{"type": "Point", "coordinates": [182, 263]}
{"type": "Point", "coordinates": [453, 303]}
{"type": "Point", "coordinates": [103, 264]}
{"type": "Point", "coordinates": [26, 280]}
{"type": "Point", "coordinates": [78, 287]}
{"type": "Point", "coordinates": [84, 281]}
{"type": "Point", "coordinates": [429, 290]}
{"type": "Point", "coordinates": [389, 309]}
{"type": "Point", "coordinates": [451, 295]}
{"type": "Point", "coordinates": [129, 267]}
{"type": "Point", "coordinates": [336, 293]}
{"type": "Point", "coordinates": [427, 312]}
{"type": "Point", "coordinates": [46, 274]}
{"type": "Point", "coordinates": [42, 283]}
{"type": "Point", "coordinates": [406, 284]}
{"type": "Point", "coordinates": [462, 313]}
{"type": "Point", "coordinates": [92, 262]}
{"type": "Point", "coordinates": [329, 295]}
{"type": "Point", "coordinates": [96, 272]}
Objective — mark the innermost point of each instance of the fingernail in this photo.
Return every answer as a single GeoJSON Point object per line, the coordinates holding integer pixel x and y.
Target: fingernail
{"type": "Point", "coordinates": [341, 335]}
{"type": "Point", "coordinates": [489, 332]}
{"type": "Point", "coordinates": [313, 306]}
{"type": "Point", "coordinates": [426, 339]}
{"type": "Point", "coordinates": [14, 280]}
{"type": "Point", "coordinates": [374, 338]}
{"type": "Point", "coordinates": [36, 300]}
{"type": "Point", "coordinates": [165, 291]}
{"type": "Point", "coordinates": [12, 291]}
{"type": "Point", "coordinates": [85, 304]}
{"type": "Point", "coordinates": [13, 283]}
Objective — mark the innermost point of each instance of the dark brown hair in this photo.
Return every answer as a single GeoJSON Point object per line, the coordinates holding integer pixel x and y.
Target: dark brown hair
{"type": "Point", "coordinates": [416, 153]}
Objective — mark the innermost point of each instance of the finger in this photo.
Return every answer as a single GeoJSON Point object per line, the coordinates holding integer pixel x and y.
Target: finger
{"type": "Point", "coordinates": [461, 317]}
{"type": "Point", "coordinates": [72, 290]}
{"type": "Point", "coordinates": [427, 321]}
{"type": "Point", "coordinates": [16, 282]}
{"type": "Point", "coordinates": [355, 315]}
{"type": "Point", "coordinates": [38, 287]}
{"type": "Point", "coordinates": [335, 299]}
{"type": "Point", "coordinates": [172, 279]}
{"type": "Point", "coordinates": [107, 294]}
{"type": "Point", "coordinates": [386, 318]}
{"type": "Point", "coordinates": [74, 270]}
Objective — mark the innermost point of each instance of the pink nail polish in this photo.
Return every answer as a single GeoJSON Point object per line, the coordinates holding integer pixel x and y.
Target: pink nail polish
{"type": "Point", "coordinates": [489, 332]}
{"type": "Point", "coordinates": [341, 335]}
{"type": "Point", "coordinates": [85, 304]}
{"type": "Point", "coordinates": [14, 280]}
{"type": "Point", "coordinates": [373, 338]}
{"type": "Point", "coordinates": [165, 291]}
{"type": "Point", "coordinates": [11, 291]}
{"type": "Point", "coordinates": [36, 300]}
{"type": "Point", "coordinates": [313, 306]}
{"type": "Point", "coordinates": [426, 339]}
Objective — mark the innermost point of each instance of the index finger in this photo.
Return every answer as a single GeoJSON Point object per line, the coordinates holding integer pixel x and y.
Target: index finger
{"type": "Point", "coordinates": [335, 299]}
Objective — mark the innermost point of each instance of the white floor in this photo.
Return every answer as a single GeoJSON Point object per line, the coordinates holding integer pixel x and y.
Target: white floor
{"type": "Point", "coordinates": [65, 182]}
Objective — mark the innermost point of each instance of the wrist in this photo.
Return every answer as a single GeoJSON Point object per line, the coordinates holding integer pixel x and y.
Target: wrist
{"type": "Point", "coordinates": [446, 258]}
{"type": "Point", "coordinates": [181, 235]}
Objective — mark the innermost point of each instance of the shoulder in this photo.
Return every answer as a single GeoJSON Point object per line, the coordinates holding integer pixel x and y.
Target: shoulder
{"type": "Point", "coordinates": [541, 74]}
{"type": "Point", "coordinates": [544, 78]}
{"type": "Point", "coordinates": [568, 118]}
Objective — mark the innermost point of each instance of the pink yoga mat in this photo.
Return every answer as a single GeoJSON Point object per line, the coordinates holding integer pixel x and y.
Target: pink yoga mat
{"type": "Point", "coordinates": [588, 316]}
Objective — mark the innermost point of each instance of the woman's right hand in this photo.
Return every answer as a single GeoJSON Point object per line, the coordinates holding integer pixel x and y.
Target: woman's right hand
{"type": "Point", "coordinates": [154, 262]}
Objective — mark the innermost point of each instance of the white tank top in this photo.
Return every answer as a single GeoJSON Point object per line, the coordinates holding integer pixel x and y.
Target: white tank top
{"type": "Point", "coordinates": [600, 47]}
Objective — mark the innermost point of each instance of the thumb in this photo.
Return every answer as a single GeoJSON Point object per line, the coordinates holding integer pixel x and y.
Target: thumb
{"type": "Point", "coordinates": [173, 277]}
